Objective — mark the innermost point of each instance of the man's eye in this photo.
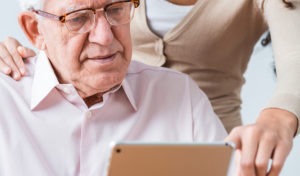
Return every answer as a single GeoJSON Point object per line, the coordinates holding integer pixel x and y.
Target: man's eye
{"type": "Point", "coordinates": [78, 19]}
{"type": "Point", "coordinates": [116, 10]}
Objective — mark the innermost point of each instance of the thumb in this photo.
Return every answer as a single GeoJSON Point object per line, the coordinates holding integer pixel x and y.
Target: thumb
{"type": "Point", "coordinates": [25, 52]}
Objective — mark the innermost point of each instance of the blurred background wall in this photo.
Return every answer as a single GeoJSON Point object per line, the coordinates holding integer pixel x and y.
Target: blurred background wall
{"type": "Point", "coordinates": [260, 78]}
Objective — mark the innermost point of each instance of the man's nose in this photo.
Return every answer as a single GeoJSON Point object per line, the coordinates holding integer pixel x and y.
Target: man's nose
{"type": "Point", "coordinates": [102, 32]}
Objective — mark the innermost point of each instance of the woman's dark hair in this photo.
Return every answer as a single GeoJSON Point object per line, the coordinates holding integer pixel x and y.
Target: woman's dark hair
{"type": "Point", "coordinates": [265, 41]}
{"type": "Point", "coordinates": [288, 4]}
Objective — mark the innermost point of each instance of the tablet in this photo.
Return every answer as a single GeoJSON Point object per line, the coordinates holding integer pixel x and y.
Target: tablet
{"type": "Point", "coordinates": [170, 159]}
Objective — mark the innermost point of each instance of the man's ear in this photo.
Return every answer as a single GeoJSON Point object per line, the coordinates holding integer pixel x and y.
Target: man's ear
{"type": "Point", "coordinates": [29, 24]}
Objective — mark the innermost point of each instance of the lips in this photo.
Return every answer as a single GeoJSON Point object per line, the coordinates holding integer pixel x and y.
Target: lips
{"type": "Point", "coordinates": [104, 59]}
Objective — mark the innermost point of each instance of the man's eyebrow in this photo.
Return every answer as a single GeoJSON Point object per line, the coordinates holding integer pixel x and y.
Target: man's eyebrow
{"type": "Point", "coordinates": [74, 7]}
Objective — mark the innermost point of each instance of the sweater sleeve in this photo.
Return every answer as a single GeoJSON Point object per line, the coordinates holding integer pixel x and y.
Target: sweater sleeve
{"type": "Point", "coordinates": [284, 26]}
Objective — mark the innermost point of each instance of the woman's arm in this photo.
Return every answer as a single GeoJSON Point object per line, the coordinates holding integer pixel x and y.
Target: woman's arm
{"type": "Point", "coordinates": [284, 26]}
{"type": "Point", "coordinates": [271, 137]}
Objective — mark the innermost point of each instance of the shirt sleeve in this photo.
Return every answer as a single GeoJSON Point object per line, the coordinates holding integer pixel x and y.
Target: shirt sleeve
{"type": "Point", "coordinates": [284, 25]}
{"type": "Point", "coordinates": [206, 125]}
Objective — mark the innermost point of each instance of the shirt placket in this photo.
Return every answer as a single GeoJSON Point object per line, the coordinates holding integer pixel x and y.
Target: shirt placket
{"type": "Point", "coordinates": [88, 141]}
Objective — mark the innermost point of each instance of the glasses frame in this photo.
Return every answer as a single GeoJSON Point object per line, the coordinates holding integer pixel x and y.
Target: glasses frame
{"type": "Point", "coordinates": [62, 18]}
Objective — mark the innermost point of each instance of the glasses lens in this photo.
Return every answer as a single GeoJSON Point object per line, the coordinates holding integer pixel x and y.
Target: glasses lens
{"type": "Point", "coordinates": [120, 13]}
{"type": "Point", "coordinates": [81, 21]}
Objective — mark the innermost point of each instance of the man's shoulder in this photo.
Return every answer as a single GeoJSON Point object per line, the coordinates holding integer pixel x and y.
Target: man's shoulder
{"type": "Point", "coordinates": [140, 69]}
{"type": "Point", "coordinates": [8, 85]}
{"type": "Point", "coordinates": [157, 80]}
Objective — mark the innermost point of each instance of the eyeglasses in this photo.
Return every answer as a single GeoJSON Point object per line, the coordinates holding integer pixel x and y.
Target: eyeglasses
{"type": "Point", "coordinates": [83, 20]}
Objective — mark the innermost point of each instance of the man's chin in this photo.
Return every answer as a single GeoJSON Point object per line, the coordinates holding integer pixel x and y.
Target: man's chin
{"type": "Point", "coordinates": [91, 90]}
{"type": "Point", "coordinates": [99, 81]}
{"type": "Point", "coordinates": [105, 84]}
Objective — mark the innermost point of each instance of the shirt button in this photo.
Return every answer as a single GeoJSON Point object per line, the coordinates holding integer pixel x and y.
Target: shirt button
{"type": "Point", "coordinates": [67, 90]}
{"type": "Point", "coordinates": [88, 114]}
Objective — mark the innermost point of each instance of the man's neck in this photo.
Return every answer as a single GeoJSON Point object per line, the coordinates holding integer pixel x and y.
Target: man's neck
{"type": "Point", "coordinates": [98, 97]}
{"type": "Point", "coordinates": [94, 99]}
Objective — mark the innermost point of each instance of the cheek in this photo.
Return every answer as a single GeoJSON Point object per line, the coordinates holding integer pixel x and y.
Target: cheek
{"type": "Point", "coordinates": [64, 50]}
{"type": "Point", "coordinates": [73, 49]}
{"type": "Point", "coordinates": [55, 39]}
{"type": "Point", "coordinates": [122, 34]}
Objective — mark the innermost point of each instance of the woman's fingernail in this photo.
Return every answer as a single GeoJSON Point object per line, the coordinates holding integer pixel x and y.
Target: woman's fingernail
{"type": "Point", "coordinates": [7, 70]}
{"type": "Point", "coordinates": [20, 49]}
{"type": "Point", "coordinates": [22, 70]}
{"type": "Point", "coordinates": [16, 75]}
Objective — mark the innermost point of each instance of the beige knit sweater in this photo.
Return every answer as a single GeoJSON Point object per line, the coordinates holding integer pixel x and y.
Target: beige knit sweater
{"type": "Point", "coordinates": [213, 44]}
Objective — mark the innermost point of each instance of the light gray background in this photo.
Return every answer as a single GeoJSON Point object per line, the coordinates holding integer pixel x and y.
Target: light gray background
{"type": "Point", "coordinates": [260, 78]}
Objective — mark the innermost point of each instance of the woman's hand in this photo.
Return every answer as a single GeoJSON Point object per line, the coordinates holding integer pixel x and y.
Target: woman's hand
{"type": "Point", "coordinates": [11, 58]}
{"type": "Point", "coordinates": [271, 137]}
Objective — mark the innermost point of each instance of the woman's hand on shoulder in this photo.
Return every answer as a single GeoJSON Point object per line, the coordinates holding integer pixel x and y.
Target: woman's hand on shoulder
{"type": "Point", "coordinates": [11, 58]}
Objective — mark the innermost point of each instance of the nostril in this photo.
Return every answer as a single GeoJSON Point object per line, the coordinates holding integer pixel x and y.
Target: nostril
{"type": "Point", "coordinates": [102, 32]}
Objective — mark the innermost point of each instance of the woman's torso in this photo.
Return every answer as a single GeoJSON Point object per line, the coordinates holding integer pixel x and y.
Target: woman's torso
{"type": "Point", "coordinates": [212, 44]}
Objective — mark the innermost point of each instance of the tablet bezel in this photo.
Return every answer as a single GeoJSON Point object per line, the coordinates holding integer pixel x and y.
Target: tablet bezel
{"type": "Point", "coordinates": [145, 152]}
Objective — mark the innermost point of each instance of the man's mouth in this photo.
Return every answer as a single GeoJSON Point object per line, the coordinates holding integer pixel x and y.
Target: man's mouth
{"type": "Point", "coordinates": [104, 59]}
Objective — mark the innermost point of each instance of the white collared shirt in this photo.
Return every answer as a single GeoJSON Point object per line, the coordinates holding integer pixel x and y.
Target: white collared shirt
{"type": "Point", "coordinates": [47, 129]}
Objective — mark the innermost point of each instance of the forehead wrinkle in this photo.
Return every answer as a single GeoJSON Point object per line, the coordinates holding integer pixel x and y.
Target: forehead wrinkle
{"type": "Point", "coordinates": [91, 3]}
{"type": "Point", "coordinates": [81, 4]}
{"type": "Point", "coordinates": [71, 5]}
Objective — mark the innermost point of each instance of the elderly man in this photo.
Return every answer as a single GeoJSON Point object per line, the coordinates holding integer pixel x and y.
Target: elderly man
{"type": "Point", "coordinates": [82, 92]}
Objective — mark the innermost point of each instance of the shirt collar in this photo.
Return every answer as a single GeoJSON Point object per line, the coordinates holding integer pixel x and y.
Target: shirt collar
{"type": "Point", "coordinates": [45, 80]}
{"type": "Point", "coordinates": [129, 93]}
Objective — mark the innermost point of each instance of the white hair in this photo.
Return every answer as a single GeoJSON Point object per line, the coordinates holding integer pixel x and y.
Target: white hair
{"type": "Point", "coordinates": [36, 4]}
